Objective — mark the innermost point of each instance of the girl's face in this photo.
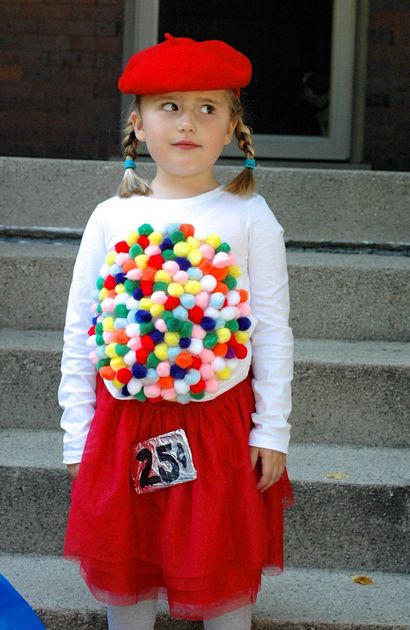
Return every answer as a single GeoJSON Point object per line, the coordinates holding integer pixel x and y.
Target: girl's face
{"type": "Point", "coordinates": [185, 132]}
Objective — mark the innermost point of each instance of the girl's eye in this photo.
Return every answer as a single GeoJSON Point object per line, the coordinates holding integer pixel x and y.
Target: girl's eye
{"type": "Point", "coordinates": [207, 109]}
{"type": "Point", "coordinates": [170, 107]}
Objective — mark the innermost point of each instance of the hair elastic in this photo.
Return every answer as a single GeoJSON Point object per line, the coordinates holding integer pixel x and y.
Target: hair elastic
{"type": "Point", "coordinates": [129, 163]}
{"type": "Point", "coordinates": [250, 163]}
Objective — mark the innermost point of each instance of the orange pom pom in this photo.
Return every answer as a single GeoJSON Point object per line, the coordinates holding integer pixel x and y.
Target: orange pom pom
{"type": "Point", "coordinates": [128, 265]}
{"type": "Point", "coordinates": [107, 372]}
{"type": "Point", "coordinates": [220, 349]}
{"type": "Point", "coordinates": [205, 266]}
{"type": "Point", "coordinates": [148, 273]}
{"type": "Point", "coordinates": [165, 382]}
{"type": "Point", "coordinates": [244, 295]}
{"type": "Point", "coordinates": [121, 336]}
{"type": "Point", "coordinates": [221, 288]}
{"type": "Point", "coordinates": [187, 229]}
{"type": "Point", "coordinates": [184, 359]}
{"type": "Point", "coordinates": [219, 274]}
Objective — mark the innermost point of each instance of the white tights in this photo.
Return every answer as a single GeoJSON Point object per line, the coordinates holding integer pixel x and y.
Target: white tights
{"type": "Point", "coordinates": [142, 617]}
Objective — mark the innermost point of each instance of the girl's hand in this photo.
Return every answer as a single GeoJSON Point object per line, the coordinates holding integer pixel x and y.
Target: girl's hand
{"type": "Point", "coordinates": [273, 464]}
{"type": "Point", "coordinates": [72, 470]}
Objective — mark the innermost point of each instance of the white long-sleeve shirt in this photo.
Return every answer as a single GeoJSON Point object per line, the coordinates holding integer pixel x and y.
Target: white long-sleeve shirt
{"type": "Point", "coordinates": [256, 239]}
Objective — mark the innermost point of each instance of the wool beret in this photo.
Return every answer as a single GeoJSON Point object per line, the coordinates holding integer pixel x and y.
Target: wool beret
{"type": "Point", "coordinates": [182, 64]}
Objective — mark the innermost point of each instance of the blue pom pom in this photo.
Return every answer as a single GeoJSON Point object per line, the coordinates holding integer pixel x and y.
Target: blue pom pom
{"type": "Point", "coordinates": [157, 336]}
{"type": "Point", "coordinates": [208, 323]}
{"type": "Point", "coordinates": [137, 294]}
{"type": "Point", "coordinates": [125, 391]}
{"type": "Point", "coordinates": [184, 342]}
{"type": "Point", "coordinates": [138, 370]}
{"type": "Point", "coordinates": [187, 300]}
{"type": "Point", "coordinates": [95, 319]}
{"type": "Point", "coordinates": [120, 278]}
{"type": "Point", "coordinates": [193, 376]}
{"type": "Point", "coordinates": [244, 323]}
{"type": "Point", "coordinates": [142, 316]}
{"type": "Point", "coordinates": [195, 273]}
{"type": "Point", "coordinates": [177, 372]}
{"type": "Point", "coordinates": [172, 227]}
{"type": "Point", "coordinates": [173, 352]}
{"type": "Point", "coordinates": [166, 244]}
{"type": "Point", "coordinates": [183, 262]}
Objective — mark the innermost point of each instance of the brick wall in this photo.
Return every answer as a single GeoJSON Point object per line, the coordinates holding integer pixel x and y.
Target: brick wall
{"type": "Point", "coordinates": [59, 63]}
{"type": "Point", "coordinates": [387, 124]}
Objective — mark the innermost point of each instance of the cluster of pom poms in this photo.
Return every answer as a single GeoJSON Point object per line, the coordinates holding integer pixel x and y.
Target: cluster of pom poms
{"type": "Point", "coordinates": [170, 322]}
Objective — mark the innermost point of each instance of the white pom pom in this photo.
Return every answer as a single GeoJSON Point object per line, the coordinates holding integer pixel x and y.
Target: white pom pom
{"type": "Point", "coordinates": [133, 330]}
{"type": "Point", "coordinates": [105, 270]}
{"type": "Point", "coordinates": [208, 283]}
{"type": "Point", "coordinates": [196, 346]}
{"type": "Point", "coordinates": [129, 358]}
{"type": "Point", "coordinates": [131, 303]}
{"type": "Point", "coordinates": [91, 341]}
{"type": "Point", "coordinates": [212, 312]}
{"type": "Point", "coordinates": [233, 298]}
{"type": "Point", "coordinates": [218, 364]}
{"type": "Point", "coordinates": [180, 386]}
{"type": "Point", "coordinates": [121, 298]}
{"type": "Point", "coordinates": [228, 312]}
{"type": "Point", "coordinates": [134, 386]}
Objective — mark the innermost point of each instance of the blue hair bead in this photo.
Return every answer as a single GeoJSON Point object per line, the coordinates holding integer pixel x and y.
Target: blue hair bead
{"type": "Point", "coordinates": [129, 163]}
{"type": "Point", "coordinates": [250, 163]}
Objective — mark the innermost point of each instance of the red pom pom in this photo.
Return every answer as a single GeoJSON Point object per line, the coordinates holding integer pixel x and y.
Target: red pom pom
{"type": "Point", "coordinates": [157, 399]}
{"type": "Point", "coordinates": [171, 303]}
{"type": "Point", "coordinates": [141, 355]}
{"type": "Point", "coordinates": [241, 351]}
{"type": "Point", "coordinates": [198, 387]}
{"type": "Point", "coordinates": [123, 247]}
{"type": "Point", "coordinates": [143, 241]}
{"type": "Point", "coordinates": [196, 314]}
{"type": "Point", "coordinates": [146, 287]}
{"type": "Point", "coordinates": [124, 375]}
{"type": "Point", "coordinates": [156, 261]}
{"type": "Point", "coordinates": [187, 229]}
{"type": "Point", "coordinates": [196, 363]}
{"type": "Point", "coordinates": [109, 283]}
{"type": "Point", "coordinates": [91, 331]}
{"type": "Point", "coordinates": [147, 343]}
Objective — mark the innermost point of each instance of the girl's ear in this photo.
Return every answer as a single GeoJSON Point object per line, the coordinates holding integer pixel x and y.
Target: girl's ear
{"type": "Point", "coordinates": [138, 126]}
{"type": "Point", "coordinates": [230, 131]}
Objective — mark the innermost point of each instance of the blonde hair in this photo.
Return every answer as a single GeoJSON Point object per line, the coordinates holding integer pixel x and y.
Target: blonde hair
{"type": "Point", "coordinates": [243, 184]}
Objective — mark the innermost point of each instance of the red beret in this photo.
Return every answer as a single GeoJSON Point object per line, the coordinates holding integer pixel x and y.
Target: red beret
{"type": "Point", "coordinates": [181, 64]}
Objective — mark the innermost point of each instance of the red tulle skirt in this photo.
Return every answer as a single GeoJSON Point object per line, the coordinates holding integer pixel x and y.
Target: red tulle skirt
{"type": "Point", "coordinates": [202, 544]}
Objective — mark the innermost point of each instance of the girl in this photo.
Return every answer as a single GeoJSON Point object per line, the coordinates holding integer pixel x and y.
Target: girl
{"type": "Point", "coordinates": [181, 423]}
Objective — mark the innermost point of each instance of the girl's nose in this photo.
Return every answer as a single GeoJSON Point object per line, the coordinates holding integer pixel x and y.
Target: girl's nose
{"type": "Point", "coordinates": [186, 123]}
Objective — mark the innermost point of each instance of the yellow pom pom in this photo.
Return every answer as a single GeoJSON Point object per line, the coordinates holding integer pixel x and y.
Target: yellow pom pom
{"type": "Point", "coordinates": [225, 373]}
{"type": "Point", "coordinates": [119, 288]}
{"type": "Point", "coordinates": [234, 270]}
{"type": "Point", "coordinates": [223, 334]}
{"type": "Point", "coordinates": [132, 239]}
{"type": "Point", "coordinates": [155, 238]}
{"type": "Point", "coordinates": [110, 350]}
{"type": "Point", "coordinates": [156, 310]}
{"type": "Point", "coordinates": [193, 242]}
{"type": "Point", "coordinates": [108, 323]}
{"type": "Point", "coordinates": [145, 303]}
{"type": "Point", "coordinates": [241, 336]}
{"type": "Point", "coordinates": [161, 351]}
{"type": "Point", "coordinates": [110, 257]}
{"type": "Point", "coordinates": [162, 276]}
{"type": "Point", "coordinates": [213, 240]}
{"type": "Point", "coordinates": [181, 248]}
{"type": "Point", "coordinates": [117, 383]}
{"type": "Point", "coordinates": [193, 287]}
{"type": "Point", "coordinates": [195, 257]}
{"type": "Point", "coordinates": [175, 289]}
{"type": "Point", "coordinates": [103, 294]}
{"type": "Point", "coordinates": [171, 338]}
{"type": "Point", "coordinates": [117, 363]}
{"type": "Point", "coordinates": [142, 261]}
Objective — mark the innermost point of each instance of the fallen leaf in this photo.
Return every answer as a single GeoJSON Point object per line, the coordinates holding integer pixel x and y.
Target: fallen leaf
{"type": "Point", "coordinates": [362, 579]}
{"type": "Point", "coordinates": [337, 475]}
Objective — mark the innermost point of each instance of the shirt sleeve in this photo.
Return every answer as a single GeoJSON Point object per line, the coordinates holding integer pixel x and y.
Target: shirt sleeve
{"type": "Point", "coordinates": [271, 339]}
{"type": "Point", "coordinates": [76, 394]}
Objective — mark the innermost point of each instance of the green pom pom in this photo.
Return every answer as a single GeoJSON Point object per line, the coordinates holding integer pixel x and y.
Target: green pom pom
{"type": "Point", "coordinates": [168, 254]}
{"type": "Point", "coordinates": [131, 285]}
{"type": "Point", "coordinates": [166, 315]}
{"type": "Point", "coordinates": [102, 363]}
{"type": "Point", "coordinates": [232, 325]}
{"type": "Point", "coordinates": [230, 282]}
{"type": "Point", "coordinates": [160, 286]}
{"type": "Point", "coordinates": [121, 310]}
{"type": "Point", "coordinates": [173, 324]}
{"type": "Point", "coordinates": [146, 328]}
{"type": "Point", "coordinates": [210, 340]}
{"type": "Point", "coordinates": [121, 349]}
{"type": "Point", "coordinates": [186, 329]}
{"type": "Point", "coordinates": [152, 360]}
{"type": "Point", "coordinates": [99, 308]}
{"type": "Point", "coordinates": [99, 340]}
{"type": "Point", "coordinates": [135, 250]}
{"type": "Point", "coordinates": [140, 396]}
{"type": "Point", "coordinates": [100, 283]}
{"type": "Point", "coordinates": [99, 328]}
{"type": "Point", "coordinates": [197, 396]}
{"type": "Point", "coordinates": [177, 236]}
{"type": "Point", "coordinates": [145, 229]}
{"type": "Point", "coordinates": [223, 247]}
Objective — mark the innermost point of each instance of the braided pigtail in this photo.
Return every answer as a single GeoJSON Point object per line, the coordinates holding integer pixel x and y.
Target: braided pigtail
{"type": "Point", "coordinates": [244, 183]}
{"type": "Point", "coordinates": [131, 184]}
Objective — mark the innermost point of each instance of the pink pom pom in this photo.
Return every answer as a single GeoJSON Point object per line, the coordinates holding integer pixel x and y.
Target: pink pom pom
{"type": "Point", "coordinates": [211, 386]}
{"type": "Point", "coordinates": [152, 391]}
{"type": "Point", "coordinates": [207, 356]}
{"type": "Point", "coordinates": [168, 394]}
{"type": "Point", "coordinates": [93, 357]}
{"type": "Point", "coordinates": [163, 368]}
{"type": "Point", "coordinates": [221, 259]}
{"type": "Point", "coordinates": [134, 343]}
{"type": "Point", "coordinates": [121, 258]}
{"type": "Point", "coordinates": [244, 308]}
{"type": "Point", "coordinates": [152, 250]}
{"type": "Point", "coordinates": [198, 332]}
{"type": "Point", "coordinates": [206, 371]}
{"type": "Point", "coordinates": [159, 297]}
{"type": "Point", "coordinates": [134, 274]}
{"type": "Point", "coordinates": [207, 251]}
{"type": "Point", "coordinates": [180, 276]}
{"type": "Point", "coordinates": [161, 325]}
{"type": "Point", "coordinates": [171, 266]}
{"type": "Point", "coordinates": [202, 299]}
{"type": "Point", "coordinates": [108, 305]}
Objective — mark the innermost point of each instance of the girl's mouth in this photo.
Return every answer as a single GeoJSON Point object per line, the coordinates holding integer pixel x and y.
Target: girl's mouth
{"type": "Point", "coordinates": [186, 145]}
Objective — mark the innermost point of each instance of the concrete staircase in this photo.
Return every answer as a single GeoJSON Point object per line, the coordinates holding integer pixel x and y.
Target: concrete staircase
{"type": "Point", "coordinates": [348, 237]}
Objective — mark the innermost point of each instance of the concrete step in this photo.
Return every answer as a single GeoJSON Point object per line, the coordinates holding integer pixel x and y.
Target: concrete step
{"type": "Point", "coordinates": [300, 599]}
{"type": "Point", "coordinates": [332, 295]}
{"type": "Point", "coordinates": [360, 521]}
{"type": "Point", "coordinates": [344, 392]}
{"type": "Point", "coordinates": [312, 204]}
